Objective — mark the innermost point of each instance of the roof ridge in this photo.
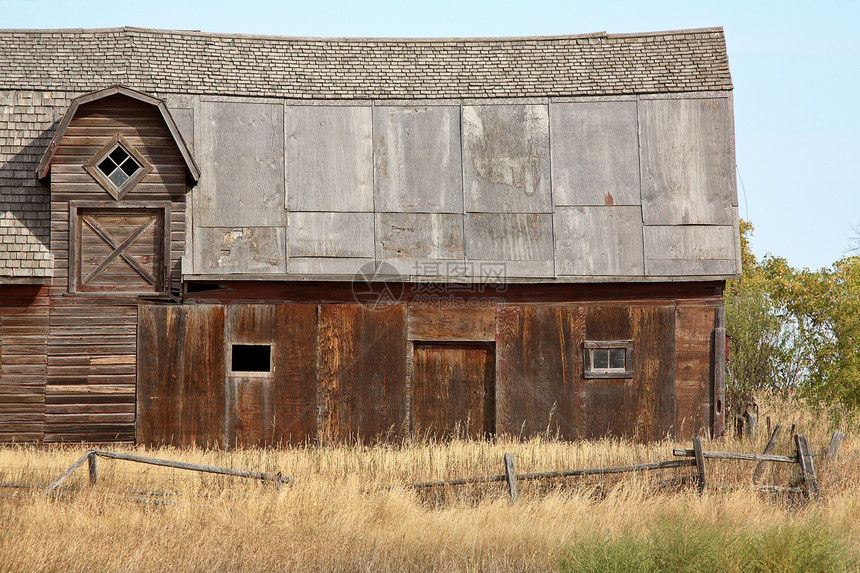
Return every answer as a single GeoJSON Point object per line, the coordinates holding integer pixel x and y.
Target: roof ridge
{"type": "Point", "coordinates": [135, 29]}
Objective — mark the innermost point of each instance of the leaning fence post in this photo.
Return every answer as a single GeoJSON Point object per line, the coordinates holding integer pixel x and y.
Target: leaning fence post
{"type": "Point", "coordinates": [94, 470]}
{"type": "Point", "coordinates": [700, 463]}
{"type": "Point", "coordinates": [771, 444]}
{"type": "Point", "coordinates": [835, 442]}
{"type": "Point", "coordinates": [807, 467]}
{"type": "Point", "coordinates": [511, 475]}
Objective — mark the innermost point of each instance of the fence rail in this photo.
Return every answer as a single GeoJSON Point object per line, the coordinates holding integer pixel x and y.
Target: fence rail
{"type": "Point", "coordinates": [92, 458]}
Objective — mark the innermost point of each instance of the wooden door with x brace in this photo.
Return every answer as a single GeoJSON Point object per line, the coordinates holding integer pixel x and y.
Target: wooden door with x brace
{"type": "Point", "coordinates": [119, 249]}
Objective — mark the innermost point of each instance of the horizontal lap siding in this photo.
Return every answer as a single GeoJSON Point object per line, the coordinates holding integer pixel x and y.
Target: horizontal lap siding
{"type": "Point", "coordinates": [23, 335]}
{"type": "Point", "coordinates": [92, 339]}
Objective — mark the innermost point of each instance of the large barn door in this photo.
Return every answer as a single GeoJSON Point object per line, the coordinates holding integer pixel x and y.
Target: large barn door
{"type": "Point", "coordinates": [453, 387]}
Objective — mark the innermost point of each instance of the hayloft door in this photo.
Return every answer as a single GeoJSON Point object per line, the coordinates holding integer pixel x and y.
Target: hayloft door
{"type": "Point", "coordinates": [121, 249]}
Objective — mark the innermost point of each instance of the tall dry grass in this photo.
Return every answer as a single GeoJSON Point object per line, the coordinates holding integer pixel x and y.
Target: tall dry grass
{"type": "Point", "coordinates": [147, 518]}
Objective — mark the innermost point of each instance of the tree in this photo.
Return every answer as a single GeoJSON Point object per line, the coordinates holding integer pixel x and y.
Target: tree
{"type": "Point", "coordinates": [794, 330]}
{"type": "Point", "coordinates": [764, 353]}
{"type": "Point", "coordinates": [824, 308]}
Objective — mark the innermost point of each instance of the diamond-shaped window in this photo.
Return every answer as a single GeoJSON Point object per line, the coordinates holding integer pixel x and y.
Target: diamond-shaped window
{"type": "Point", "coordinates": [118, 167]}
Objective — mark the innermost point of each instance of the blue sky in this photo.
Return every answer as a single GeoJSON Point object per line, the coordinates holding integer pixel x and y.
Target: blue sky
{"type": "Point", "coordinates": [795, 67]}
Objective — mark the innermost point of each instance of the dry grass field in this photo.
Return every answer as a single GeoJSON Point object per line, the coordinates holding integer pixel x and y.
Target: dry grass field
{"type": "Point", "coordinates": [333, 518]}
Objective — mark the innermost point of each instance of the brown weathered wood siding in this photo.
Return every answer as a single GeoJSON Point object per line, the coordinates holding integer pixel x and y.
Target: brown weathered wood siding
{"type": "Point", "coordinates": [23, 338]}
{"type": "Point", "coordinates": [362, 371]}
{"type": "Point", "coordinates": [92, 337]}
{"type": "Point", "coordinates": [695, 367]}
{"type": "Point", "coordinates": [342, 370]}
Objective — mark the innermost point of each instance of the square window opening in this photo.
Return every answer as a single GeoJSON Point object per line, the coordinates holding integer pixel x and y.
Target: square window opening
{"type": "Point", "coordinates": [251, 358]}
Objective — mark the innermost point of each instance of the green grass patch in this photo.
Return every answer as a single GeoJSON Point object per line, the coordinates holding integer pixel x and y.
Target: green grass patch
{"type": "Point", "coordinates": [684, 545]}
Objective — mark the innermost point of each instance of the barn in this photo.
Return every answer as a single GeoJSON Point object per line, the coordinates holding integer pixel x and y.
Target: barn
{"type": "Point", "coordinates": [243, 240]}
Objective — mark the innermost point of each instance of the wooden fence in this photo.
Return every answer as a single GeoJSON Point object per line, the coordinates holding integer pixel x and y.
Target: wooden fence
{"type": "Point", "coordinates": [92, 458]}
{"type": "Point", "coordinates": [697, 456]}
{"type": "Point", "coordinates": [694, 458]}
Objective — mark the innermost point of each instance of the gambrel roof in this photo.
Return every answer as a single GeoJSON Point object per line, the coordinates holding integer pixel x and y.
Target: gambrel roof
{"type": "Point", "coordinates": [190, 165]}
{"type": "Point", "coordinates": [645, 214]}
{"type": "Point", "coordinates": [158, 61]}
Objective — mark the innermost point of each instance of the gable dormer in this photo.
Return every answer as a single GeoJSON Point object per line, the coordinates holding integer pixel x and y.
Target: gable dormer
{"type": "Point", "coordinates": [119, 172]}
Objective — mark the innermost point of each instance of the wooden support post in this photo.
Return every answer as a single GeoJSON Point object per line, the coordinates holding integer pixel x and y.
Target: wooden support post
{"type": "Point", "coordinates": [771, 444]}
{"type": "Point", "coordinates": [807, 467]}
{"type": "Point", "coordinates": [767, 419]}
{"type": "Point", "coordinates": [835, 442]}
{"type": "Point", "coordinates": [511, 475]}
{"type": "Point", "coordinates": [700, 464]}
{"type": "Point", "coordinates": [93, 467]}
{"type": "Point", "coordinates": [792, 433]}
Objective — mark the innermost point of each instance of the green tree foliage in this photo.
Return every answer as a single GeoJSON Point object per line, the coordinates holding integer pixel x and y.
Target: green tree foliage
{"type": "Point", "coordinates": [824, 309]}
{"type": "Point", "coordinates": [794, 331]}
{"type": "Point", "coordinates": [764, 354]}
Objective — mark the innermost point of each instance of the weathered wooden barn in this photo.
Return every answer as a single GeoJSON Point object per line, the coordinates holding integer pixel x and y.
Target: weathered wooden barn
{"type": "Point", "coordinates": [225, 239]}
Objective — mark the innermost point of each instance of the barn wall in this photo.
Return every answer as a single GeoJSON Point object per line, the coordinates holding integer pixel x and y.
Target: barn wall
{"type": "Point", "coordinates": [342, 369]}
{"type": "Point", "coordinates": [606, 189]}
{"type": "Point", "coordinates": [92, 336]}
{"type": "Point", "coordinates": [23, 365]}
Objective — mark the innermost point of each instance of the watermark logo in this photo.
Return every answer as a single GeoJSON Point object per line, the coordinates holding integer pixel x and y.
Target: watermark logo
{"type": "Point", "coordinates": [438, 284]}
{"type": "Point", "coordinates": [378, 286]}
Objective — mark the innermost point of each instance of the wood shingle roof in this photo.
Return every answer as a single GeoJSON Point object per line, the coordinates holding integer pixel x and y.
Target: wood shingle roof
{"type": "Point", "coordinates": [157, 61]}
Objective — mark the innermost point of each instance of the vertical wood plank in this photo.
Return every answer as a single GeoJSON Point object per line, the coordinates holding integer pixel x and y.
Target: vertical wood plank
{"type": "Point", "coordinates": [835, 442]}
{"type": "Point", "coordinates": [362, 371]}
{"type": "Point", "coordinates": [540, 369]}
{"type": "Point", "coordinates": [454, 387]}
{"type": "Point", "coordinates": [275, 407]}
{"type": "Point", "coordinates": [807, 467]}
{"type": "Point", "coordinates": [654, 391]}
{"type": "Point", "coordinates": [92, 461]}
{"type": "Point", "coordinates": [719, 414]}
{"type": "Point", "coordinates": [181, 394]}
{"type": "Point", "coordinates": [693, 328]}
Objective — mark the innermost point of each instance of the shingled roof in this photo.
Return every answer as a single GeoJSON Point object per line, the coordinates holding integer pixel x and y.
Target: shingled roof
{"type": "Point", "coordinates": [158, 61]}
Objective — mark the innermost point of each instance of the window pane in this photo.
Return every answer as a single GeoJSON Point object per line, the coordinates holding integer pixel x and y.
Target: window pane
{"type": "Point", "coordinates": [130, 166]}
{"type": "Point", "coordinates": [107, 166]}
{"type": "Point", "coordinates": [616, 358]}
{"type": "Point", "coordinates": [600, 358]}
{"type": "Point", "coordinates": [118, 155]}
{"type": "Point", "coordinates": [118, 177]}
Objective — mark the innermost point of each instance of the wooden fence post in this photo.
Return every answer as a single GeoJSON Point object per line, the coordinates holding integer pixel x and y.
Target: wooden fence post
{"type": "Point", "coordinates": [94, 470]}
{"type": "Point", "coordinates": [771, 444]}
{"type": "Point", "coordinates": [835, 442]}
{"type": "Point", "coordinates": [511, 475]}
{"type": "Point", "coordinates": [807, 467]}
{"type": "Point", "coordinates": [700, 464]}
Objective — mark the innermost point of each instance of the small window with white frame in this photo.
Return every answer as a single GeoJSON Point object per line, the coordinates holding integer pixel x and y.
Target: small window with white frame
{"type": "Point", "coordinates": [607, 359]}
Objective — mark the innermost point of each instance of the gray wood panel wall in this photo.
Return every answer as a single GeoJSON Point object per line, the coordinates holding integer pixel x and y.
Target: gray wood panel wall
{"type": "Point", "coordinates": [625, 188]}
